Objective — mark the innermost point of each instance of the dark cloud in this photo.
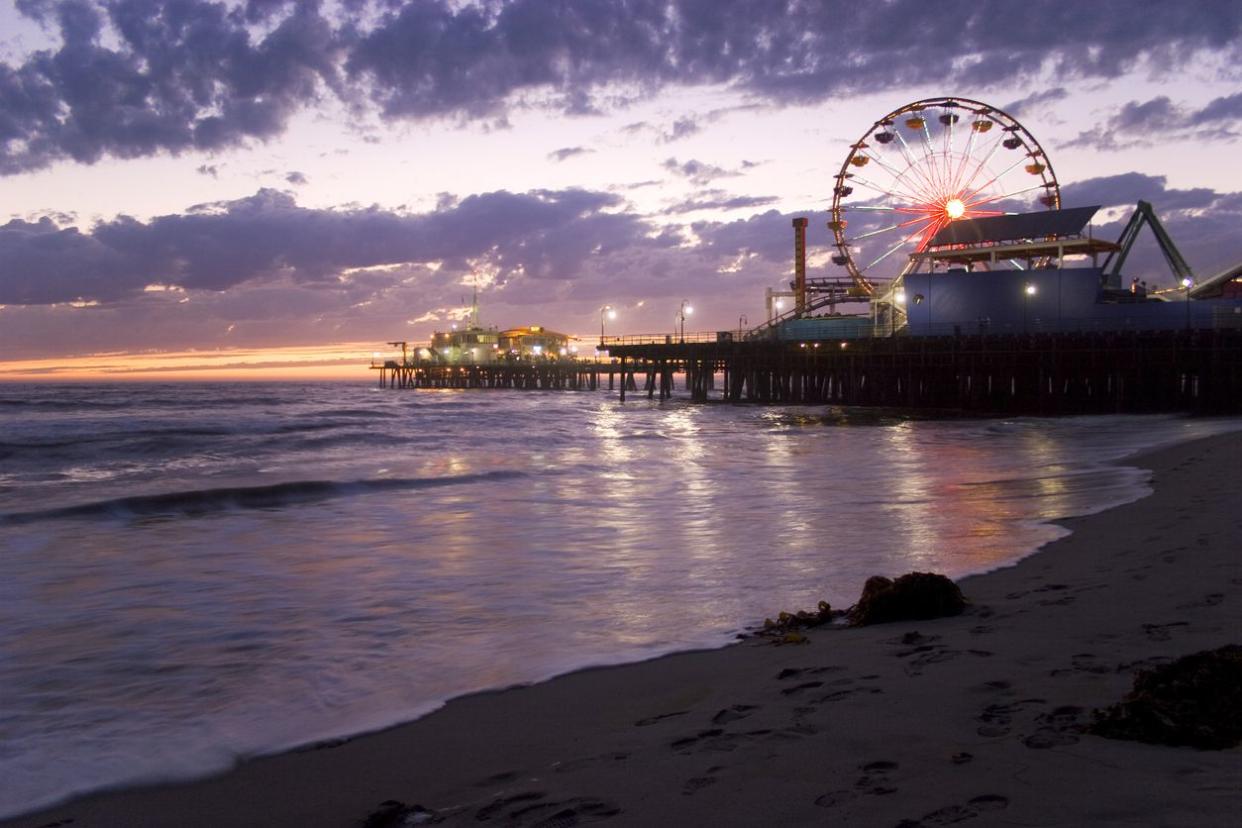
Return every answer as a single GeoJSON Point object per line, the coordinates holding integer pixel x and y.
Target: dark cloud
{"type": "Point", "coordinates": [183, 75]}
{"type": "Point", "coordinates": [696, 171]}
{"type": "Point", "coordinates": [681, 128]}
{"type": "Point", "coordinates": [1228, 108]}
{"type": "Point", "coordinates": [1140, 123]}
{"type": "Point", "coordinates": [565, 153]}
{"type": "Point", "coordinates": [718, 200]}
{"type": "Point", "coordinates": [296, 178]}
{"type": "Point", "coordinates": [133, 78]}
{"type": "Point", "coordinates": [1127, 189]}
{"type": "Point", "coordinates": [268, 236]}
{"type": "Point", "coordinates": [1036, 100]}
{"type": "Point", "coordinates": [767, 235]}
{"type": "Point", "coordinates": [426, 59]}
{"type": "Point", "coordinates": [208, 169]}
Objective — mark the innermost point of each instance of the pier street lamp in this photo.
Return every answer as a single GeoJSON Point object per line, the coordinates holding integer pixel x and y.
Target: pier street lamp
{"type": "Point", "coordinates": [742, 322]}
{"type": "Point", "coordinates": [606, 311]}
{"type": "Point", "coordinates": [1188, 283]}
{"type": "Point", "coordinates": [899, 298]}
{"type": "Point", "coordinates": [682, 313]}
{"type": "Point", "coordinates": [1028, 291]}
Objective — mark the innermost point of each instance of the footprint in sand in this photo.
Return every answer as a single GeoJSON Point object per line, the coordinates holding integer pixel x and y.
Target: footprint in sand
{"type": "Point", "coordinates": [1209, 600]}
{"type": "Point", "coordinates": [1160, 632]}
{"type": "Point", "coordinates": [951, 814]}
{"type": "Point", "coordinates": [389, 814]}
{"type": "Point", "coordinates": [534, 809]}
{"type": "Point", "coordinates": [794, 672]}
{"type": "Point", "coordinates": [650, 720]}
{"type": "Point", "coordinates": [1057, 728]}
{"type": "Point", "coordinates": [997, 719]}
{"type": "Point", "coordinates": [696, 784]}
{"type": "Point", "coordinates": [589, 761]}
{"type": "Point", "coordinates": [719, 740]}
{"type": "Point", "coordinates": [834, 798]}
{"type": "Point", "coordinates": [732, 714]}
{"type": "Point", "coordinates": [1083, 663]}
{"type": "Point", "coordinates": [838, 695]}
{"type": "Point", "coordinates": [877, 778]}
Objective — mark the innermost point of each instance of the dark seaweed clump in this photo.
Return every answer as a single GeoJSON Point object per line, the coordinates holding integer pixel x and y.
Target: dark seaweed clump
{"type": "Point", "coordinates": [1195, 701]}
{"type": "Point", "coordinates": [915, 596]}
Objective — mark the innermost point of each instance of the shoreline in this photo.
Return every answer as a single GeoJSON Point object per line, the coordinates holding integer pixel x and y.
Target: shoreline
{"type": "Point", "coordinates": [860, 724]}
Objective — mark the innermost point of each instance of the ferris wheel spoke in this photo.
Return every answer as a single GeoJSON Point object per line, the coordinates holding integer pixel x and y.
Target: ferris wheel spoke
{"type": "Point", "coordinates": [890, 228]}
{"type": "Point", "coordinates": [894, 248]}
{"type": "Point", "coordinates": [966, 197]}
{"type": "Point", "coordinates": [961, 166]}
{"type": "Point", "coordinates": [928, 156]}
{"type": "Point", "coordinates": [914, 166]}
{"type": "Point", "coordinates": [948, 152]}
{"type": "Point", "coordinates": [1003, 196]}
{"type": "Point", "coordinates": [982, 165]}
{"type": "Point", "coordinates": [898, 195]}
{"type": "Point", "coordinates": [930, 233]}
{"type": "Point", "coordinates": [877, 208]}
{"type": "Point", "coordinates": [897, 176]}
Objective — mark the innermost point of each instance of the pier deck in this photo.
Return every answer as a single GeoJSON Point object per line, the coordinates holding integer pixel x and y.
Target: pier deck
{"type": "Point", "coordinates": [1196, 371]}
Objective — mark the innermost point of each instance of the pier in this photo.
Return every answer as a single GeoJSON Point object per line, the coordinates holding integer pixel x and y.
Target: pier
{"type": "Point", "coordinates": [1138, 371]}
{"type": "Point", "coordinates": [1064, 373]}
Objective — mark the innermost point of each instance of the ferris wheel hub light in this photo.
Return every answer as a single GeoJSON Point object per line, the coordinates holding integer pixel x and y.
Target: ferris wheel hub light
{"type": "Point", "coordinates": [954, 208]}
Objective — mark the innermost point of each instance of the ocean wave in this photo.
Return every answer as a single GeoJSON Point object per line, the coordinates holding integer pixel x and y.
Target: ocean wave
{"type": "Point", "coordinates": [206, 501]}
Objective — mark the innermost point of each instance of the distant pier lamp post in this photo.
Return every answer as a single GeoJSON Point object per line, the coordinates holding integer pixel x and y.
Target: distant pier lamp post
{"type": "Point", "coordinates": [742, 322]}
{"type": "Point", "coordinates": [1028, 293]}
{"type": "Point", "coordinates": [682, 312]}
{"type": "Point", "coordinates": [899, 300]}
{"type": "Point", "coordinates": [606, 312]}
{"type": "Point", "coordinates": [1188, 283]}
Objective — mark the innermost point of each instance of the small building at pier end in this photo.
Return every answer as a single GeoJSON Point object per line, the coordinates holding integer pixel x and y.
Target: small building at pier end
{"type": "Point", "coordinates": [536, 342]}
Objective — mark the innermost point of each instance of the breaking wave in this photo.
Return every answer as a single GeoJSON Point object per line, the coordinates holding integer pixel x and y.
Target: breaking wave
{"type": "Point", "coordinates": [205, 501]}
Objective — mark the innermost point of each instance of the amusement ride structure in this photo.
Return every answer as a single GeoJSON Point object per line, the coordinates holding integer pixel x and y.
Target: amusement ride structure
{"type": "Point", "coordinates": [955, 186]}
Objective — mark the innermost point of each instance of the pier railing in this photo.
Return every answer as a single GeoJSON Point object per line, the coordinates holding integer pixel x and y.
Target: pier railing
{"type": "Point", "coordinates": [664, 339]}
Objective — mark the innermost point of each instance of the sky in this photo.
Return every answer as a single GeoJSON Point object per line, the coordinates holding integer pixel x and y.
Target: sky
{"type": "Point", "coordinates": [206, 187]}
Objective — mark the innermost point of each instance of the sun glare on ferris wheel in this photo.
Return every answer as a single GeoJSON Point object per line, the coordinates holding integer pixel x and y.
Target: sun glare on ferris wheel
{"type": "Point", "coordinates": [925, 165]}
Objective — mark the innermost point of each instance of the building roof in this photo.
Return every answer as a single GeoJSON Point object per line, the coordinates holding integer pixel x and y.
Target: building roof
{"type": "Point", "coordinates": [1021, 226]}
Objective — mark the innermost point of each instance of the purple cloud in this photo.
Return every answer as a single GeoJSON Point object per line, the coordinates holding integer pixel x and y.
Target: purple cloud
{"type": "Point", "coordinates": [696, 171]}
{"type": "Point", "coordinates": [133, 78]}
{"type": "Point", "coordinates": [565, 153]}
{"type": "Point", "coordinates": [268, 237]}
{"type": "Point", "coordinates": [1138, 123]}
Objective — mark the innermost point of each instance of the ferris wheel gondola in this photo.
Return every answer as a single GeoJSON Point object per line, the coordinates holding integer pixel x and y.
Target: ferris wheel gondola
{"type": "Point", "coordinates": [925, 165]}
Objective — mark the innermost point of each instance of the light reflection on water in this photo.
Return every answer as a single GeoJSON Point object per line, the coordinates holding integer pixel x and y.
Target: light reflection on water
{"type": "Point", "coordinates": [166, 643]}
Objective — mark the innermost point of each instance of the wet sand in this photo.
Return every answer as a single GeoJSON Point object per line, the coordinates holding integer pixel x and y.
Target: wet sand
{"type": "Point", "coordinates": [970, 719]}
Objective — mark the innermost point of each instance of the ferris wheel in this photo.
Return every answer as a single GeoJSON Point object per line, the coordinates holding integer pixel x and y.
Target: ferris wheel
{"type": "Point", "coordinates": [925, 165]}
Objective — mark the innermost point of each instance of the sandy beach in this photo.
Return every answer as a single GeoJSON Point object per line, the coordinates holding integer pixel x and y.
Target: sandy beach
{"type": "Point", "coordinates": [966, 719]}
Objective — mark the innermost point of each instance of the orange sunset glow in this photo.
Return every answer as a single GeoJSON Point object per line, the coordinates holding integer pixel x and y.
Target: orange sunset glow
{"type": "Point", "coordinates": [345, 361]}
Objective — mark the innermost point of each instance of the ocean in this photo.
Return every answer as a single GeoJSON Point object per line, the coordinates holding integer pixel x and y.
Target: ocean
{"type": "Point", "coordinates": [192, 574]}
